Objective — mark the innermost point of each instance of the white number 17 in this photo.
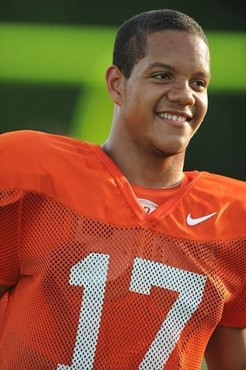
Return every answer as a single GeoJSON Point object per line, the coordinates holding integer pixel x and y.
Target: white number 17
{"type": "Point", "coordinates": [91, 273]}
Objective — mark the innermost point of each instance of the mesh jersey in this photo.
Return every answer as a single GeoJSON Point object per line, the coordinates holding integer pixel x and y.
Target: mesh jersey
{"type": "Point", "coordinates": [97, 283]}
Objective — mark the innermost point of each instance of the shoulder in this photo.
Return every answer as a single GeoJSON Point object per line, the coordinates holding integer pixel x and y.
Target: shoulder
{"type": "Point", "coordinates": [28, 137]}
{"type": "Point", "coordinates": [18, 145]}
{"type": "Point", "coordinates": [28, 156]}
{"type": "Point", "coordinates": [224, 196]}
{"type": "Point", "coordinates": [38, 146]}
{"type": "Point", "coordinates": [17, 137]}
{"type": "Point", "coordinates": [28, 142]}
{"type": "Point", "coordinates": [222, 187]}
{"type": "Point", "coordinates": [224, 181]}
{"type": "Point", "coordinates": [20, 150]}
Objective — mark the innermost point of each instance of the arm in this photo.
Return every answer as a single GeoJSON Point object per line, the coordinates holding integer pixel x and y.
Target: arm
{"type": "Point", "coordinates": [226, 349]}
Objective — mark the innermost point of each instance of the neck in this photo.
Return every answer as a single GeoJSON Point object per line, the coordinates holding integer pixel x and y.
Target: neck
{"type": "Point", "coordinates": [149, 169]}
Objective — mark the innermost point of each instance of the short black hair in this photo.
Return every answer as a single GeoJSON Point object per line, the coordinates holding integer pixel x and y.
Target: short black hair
{"type": "Point", "coordinates": [131, 39]}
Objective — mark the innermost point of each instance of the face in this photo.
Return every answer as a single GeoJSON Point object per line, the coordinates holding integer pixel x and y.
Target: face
{"type": "Point", "coordinates": [164, 101]}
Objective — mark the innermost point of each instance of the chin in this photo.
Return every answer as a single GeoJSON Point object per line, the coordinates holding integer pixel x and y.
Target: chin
{"type": "Point", "coordinates": [164, 153]}
{"type": "Point", "coordinates": [170, 149]}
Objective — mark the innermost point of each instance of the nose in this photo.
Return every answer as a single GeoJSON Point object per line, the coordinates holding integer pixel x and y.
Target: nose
{"type": "Point", "coordinates": [181, 93]}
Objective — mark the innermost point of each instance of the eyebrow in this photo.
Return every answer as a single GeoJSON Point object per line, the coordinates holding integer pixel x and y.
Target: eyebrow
{"type": "Point", "coordinates": [201, 74]}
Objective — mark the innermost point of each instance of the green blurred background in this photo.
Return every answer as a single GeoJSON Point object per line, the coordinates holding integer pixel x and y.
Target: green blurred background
{"type": "Point", "coordinates": [53, 56]}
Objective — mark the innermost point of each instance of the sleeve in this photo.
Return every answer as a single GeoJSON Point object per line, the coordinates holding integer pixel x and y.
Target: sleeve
{"type": "Point", "coordinates": [10, 211]}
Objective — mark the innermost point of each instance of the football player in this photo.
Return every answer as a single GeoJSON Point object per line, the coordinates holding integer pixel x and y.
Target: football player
{"type": "Point", "coordinates": [113, 257]}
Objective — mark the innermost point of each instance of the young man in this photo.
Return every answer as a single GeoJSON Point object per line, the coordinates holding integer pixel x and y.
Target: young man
{"type": "Point", "coordinates": [113, 257]}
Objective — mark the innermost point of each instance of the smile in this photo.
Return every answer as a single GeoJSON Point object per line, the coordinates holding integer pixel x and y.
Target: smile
{"type": "Point", "coordinates": [173, 117]}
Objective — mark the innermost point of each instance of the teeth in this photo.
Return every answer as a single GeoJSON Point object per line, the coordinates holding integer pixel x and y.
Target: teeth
{"type": "Point", "coordinates": [172, 117]}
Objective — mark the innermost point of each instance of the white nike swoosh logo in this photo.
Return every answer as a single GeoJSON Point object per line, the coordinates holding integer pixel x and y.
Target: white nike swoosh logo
{"type": "Point", "coordinates": [194, 221]}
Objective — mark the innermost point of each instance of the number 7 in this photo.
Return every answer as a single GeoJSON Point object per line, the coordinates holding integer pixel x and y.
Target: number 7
{"type": "Point", "coordinates": [190, 286]}
{"type": "Point", "coordinates": [91, 273]}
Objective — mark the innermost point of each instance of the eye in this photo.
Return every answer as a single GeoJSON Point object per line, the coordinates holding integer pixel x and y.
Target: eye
{"type": "Point", "coordinates": [199, 83]}
{"type": "Point", "coordinates": [161, 76]}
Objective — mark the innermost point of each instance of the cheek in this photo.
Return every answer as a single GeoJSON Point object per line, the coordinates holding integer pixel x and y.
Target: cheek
{"type": "Point", "coordinates": [201, 110]}
{"type": "Point", "coordinates": [137, 104]}
{"type": "Point", "coordinates": [202, 106]}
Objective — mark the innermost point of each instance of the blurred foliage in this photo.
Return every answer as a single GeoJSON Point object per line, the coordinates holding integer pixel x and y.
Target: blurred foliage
{"type": "Point", "coordinates": [213, 15]}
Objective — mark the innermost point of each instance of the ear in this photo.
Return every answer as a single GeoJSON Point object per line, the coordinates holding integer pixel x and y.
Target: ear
{"type": "Point", "coordinates": [115, 84]}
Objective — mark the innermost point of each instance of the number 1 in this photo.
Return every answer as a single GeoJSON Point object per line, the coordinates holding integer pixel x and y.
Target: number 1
{"type": "Point", "coordinates": [91, 273]}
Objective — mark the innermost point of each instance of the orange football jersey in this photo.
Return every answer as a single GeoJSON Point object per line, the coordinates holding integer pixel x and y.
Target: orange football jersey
{"type": "Point", "coordinates": [99, 284]}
